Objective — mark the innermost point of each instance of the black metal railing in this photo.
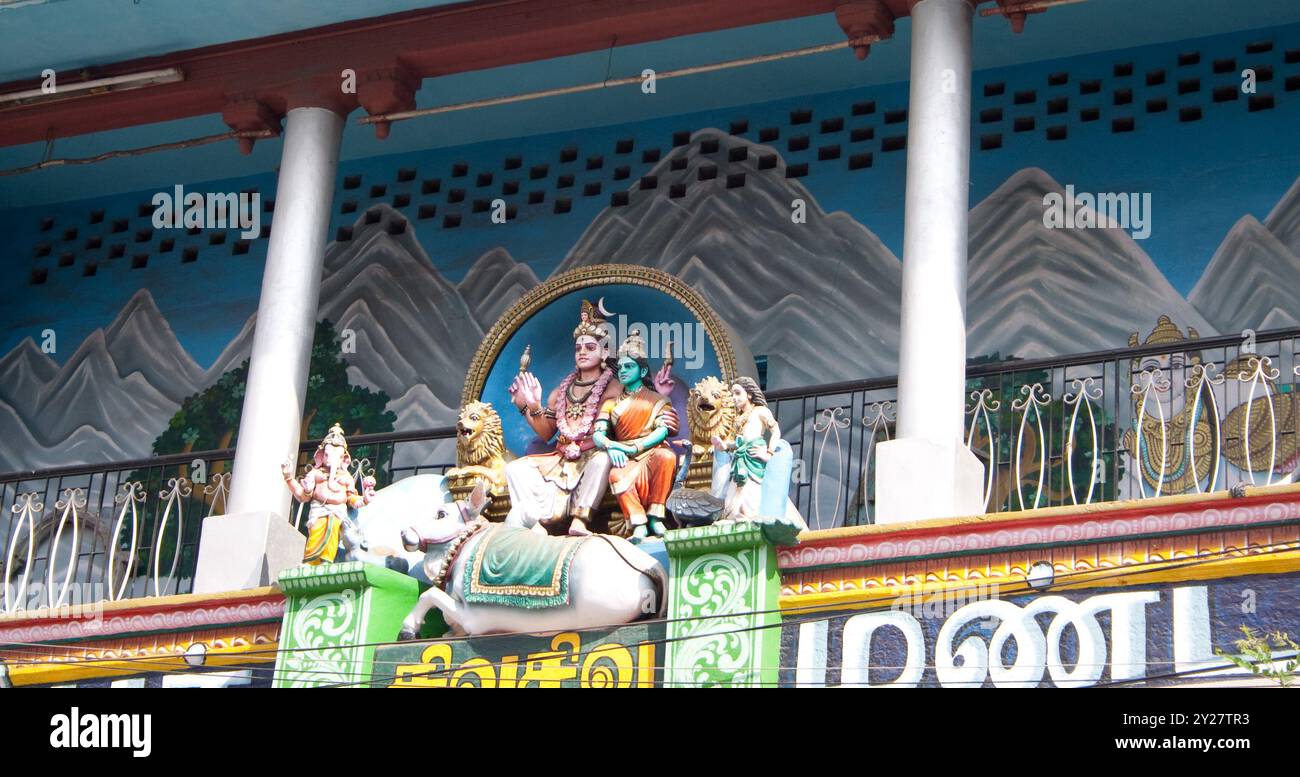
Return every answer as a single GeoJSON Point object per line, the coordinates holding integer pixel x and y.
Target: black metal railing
{"type": "Point", "coordinates": [86, 533]}
{"type": "Point", "coordinates": [1213, 413]}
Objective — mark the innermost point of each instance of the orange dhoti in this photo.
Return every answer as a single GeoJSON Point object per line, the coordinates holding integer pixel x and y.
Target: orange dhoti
{"type": "Point", "coordinates": [643, 484]}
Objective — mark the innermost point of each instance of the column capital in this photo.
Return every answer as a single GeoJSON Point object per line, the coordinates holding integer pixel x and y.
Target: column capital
{"type": "Point", "coordinates": [247, 113]}
{"type": "Point", "coordinates": [864, 18]}
{"type": "Point", "coordinates": [387, 90]}
{"type": "Point", "coordinates": [913, 3]}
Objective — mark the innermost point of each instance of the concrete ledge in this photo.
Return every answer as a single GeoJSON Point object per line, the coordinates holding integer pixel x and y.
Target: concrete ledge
{"type": "Point", "coordinates": [918, 478]}
{"type": "Point", "coordinates": [245, 550]}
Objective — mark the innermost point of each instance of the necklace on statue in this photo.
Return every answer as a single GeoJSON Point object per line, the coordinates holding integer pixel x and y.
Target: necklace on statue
{"type": "Point", "coordinates": [576, 399]}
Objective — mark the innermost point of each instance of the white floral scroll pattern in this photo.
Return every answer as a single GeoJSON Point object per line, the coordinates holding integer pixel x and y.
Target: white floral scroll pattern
{"type": "Point", "coordinates": [317, 653]}
{"type": "Point", "coordinates": [1202, 382]}
{"type": "Point", "coordinates": [178, 489]}
{"type": "Point", "coordinates": [26, 506]}
{"type": "Point", "coordinates": [832, 420]}
{"type": "Point", "coordinates": [713, 646]}
{"type": "Point", "coordinates": [1034, 399]}
{"type": "Point", "coordinates": [984, 405]}
{"type": "Point", "coordinates": [1084, 396]}
{"type": "Point", "coordinates": [1260, 372]}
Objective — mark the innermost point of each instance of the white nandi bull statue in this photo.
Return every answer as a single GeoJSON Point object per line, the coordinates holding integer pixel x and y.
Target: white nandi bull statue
{"type": "Point", "coordinates": [605, 580]}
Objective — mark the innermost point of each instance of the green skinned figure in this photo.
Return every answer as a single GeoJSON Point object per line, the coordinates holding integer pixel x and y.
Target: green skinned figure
{"type": "Point", "coordinates": [632, 430]}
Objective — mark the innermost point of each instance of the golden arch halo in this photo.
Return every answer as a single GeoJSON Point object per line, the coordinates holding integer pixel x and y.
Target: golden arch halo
{"type": "Point", "coordinates": [585, 277]}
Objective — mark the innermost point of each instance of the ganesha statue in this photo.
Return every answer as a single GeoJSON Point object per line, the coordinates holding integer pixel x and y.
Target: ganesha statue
{"type": "Point", "coordinates": [331, 488]}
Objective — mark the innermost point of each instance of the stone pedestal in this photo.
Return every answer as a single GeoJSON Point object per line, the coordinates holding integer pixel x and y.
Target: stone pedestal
{"type": "Point", "coordinates": [334, 615]}
{"type": "Point", "coordinates": [918, 478]}
{"type": "Point", "coordinates": [245, 550]}
{"type": "Point", "coordinates": [723, 623]}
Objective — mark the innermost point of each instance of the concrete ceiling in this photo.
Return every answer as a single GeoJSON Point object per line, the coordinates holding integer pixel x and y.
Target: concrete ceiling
{"type": "Point", "coordinates": [64, 34]}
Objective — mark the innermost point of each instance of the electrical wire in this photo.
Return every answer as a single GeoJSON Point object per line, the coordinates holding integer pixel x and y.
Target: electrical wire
{"type": "Point", "coordinates": [128, 152]}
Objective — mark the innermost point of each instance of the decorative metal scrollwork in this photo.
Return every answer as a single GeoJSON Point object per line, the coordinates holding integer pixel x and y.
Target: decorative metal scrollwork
{"type": "Point", "coordinates": [178, 489]}
{"type": "Point", "coordinates": [132, 494]}
{"type": "Point", "coordinates": [1259, 370]}
{"type": "Point", "coordinates": [74, 499]}
{"type": "Point", "coordinates": [1202, 382]}
{"type": "Point", "coordinates": [26, 507]}
{"type": "Point", "coordinates": [832, 420]}
{"type": "Point", "coordinates": [1034, 397]}
{"type": "Point", "coordinates": [1148, 380]}
{"type": "Point", "coordinates": [984, 405]}
{"type": "Point", "coordinates": [877, 417]}
{"type": "Point", "coordinates": [215, 491]}
{"type": "Point", "coordinates": [1085, 394]}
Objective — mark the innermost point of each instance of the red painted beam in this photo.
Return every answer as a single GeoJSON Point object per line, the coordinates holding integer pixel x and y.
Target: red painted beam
{"type": "Point", "coordinates": [303, 67]}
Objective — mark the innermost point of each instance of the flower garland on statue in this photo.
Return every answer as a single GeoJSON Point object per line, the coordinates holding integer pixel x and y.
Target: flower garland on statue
{"type": "Point", "coordinates": [576, 427]}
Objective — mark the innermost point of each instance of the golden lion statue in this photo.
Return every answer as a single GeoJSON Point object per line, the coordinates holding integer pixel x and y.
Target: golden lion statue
{"type": "Point", "coordinates": [709, 411]}
{"type": "Point", "coordinates": [480, 457]}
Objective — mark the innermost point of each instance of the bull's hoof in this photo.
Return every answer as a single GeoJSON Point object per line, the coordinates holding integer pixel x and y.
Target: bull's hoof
{"type": "Point", "coordinates": [398, 564]}
{"type": "Point", "coordinates": [405, 635]}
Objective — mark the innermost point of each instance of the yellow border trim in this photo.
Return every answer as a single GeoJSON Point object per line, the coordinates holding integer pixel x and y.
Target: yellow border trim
{"type": "Point", "coordinates": [49, 672]}
{"type": "Point", "coordinates": [1168, 571]}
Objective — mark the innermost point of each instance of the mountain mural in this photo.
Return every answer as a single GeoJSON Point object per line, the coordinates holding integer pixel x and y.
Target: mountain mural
{"type": "Point", "coordinates": [1035, 291]}
{"type": "Point", "coordinates": [819, 298]}
{"type": "Point", "coordinates": [1253, 280]}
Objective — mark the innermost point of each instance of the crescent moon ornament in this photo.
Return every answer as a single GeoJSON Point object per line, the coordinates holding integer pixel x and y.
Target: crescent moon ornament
{"type": "Point", "coordinates": [600, 306]}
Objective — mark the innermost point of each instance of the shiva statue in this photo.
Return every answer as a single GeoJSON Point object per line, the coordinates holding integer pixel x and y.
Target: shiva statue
{"type": "Point", "coordinates": [757, 435]}
{"type": "Point", "coordinates": [331, 488]}
{"type": "Point", "coordinates": [568, 481]}
{"type": "Point", "coordinates": [631, 434]}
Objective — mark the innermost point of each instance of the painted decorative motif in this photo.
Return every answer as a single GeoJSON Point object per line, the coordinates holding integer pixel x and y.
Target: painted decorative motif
{"type": "Point", "coordinates": [130, 655]}
{"type": "Point", "coordinates": [157, 615]}
{"type": "Point", "coordinates": [317, 649]}
{"type": "Point", "coordinates": [336, 614]}
{"type": "Point", "coordinates": [721, 616]}
{"type": "Point", "coordinates": [992, 536]}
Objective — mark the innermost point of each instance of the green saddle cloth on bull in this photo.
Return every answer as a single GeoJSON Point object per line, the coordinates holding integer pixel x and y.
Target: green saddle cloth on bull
{"type": "Point", "coordinates": [520, 568]}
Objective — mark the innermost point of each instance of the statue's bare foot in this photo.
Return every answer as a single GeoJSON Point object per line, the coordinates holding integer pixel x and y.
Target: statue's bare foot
{"type": "Point", "coordinates": [578, 529]}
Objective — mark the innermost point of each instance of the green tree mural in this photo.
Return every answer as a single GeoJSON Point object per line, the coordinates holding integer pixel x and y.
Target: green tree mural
{"type": "Point", "coordinates": [210, 419]}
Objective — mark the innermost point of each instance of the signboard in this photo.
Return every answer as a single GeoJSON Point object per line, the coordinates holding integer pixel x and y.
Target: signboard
{"type": "Point", "coordinates": [625, 657]}
{"type": "Point", "coordinates": [1136, 634]}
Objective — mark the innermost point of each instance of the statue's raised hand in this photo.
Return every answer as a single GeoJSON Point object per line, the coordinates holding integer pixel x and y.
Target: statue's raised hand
{"type": "Point", "coordinates": [286, 468]}
{"type": "Point", "coordinates": [663, 380]}
{"type": "Point", "coordinates": [526, 391]}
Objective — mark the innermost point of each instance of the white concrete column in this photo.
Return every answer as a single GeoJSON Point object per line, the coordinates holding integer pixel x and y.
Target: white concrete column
{"type": "Point", "coordinates": [927, 472]}
{"type": "Point", "coordinates": [250, 543]}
